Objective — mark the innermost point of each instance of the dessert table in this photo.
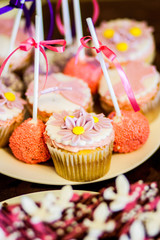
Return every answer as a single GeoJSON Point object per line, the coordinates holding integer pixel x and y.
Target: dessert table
{"type": "Point", "coordinates": [109, 9]}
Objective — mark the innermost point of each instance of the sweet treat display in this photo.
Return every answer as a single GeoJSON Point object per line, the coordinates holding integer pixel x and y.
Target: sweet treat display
{"type": "Point", "coordinates": [145, 82]}
{"type": "Point", "coordinates": [124, 212]}
{"type": "Point", "coordinates": [69, 93]}
{"type": "Point", "coordinates": [60, 60]}
{"type": "Point", "coordinates": [131, 131]}
{"type": "Point", "coordinates": [5, 34]}
{"type": "Point", "coordinates": [11, 113]}
{"type": "Point", "coordinates": [131, 40]}
{"type": "Point", "coordinates": [61, 88]}
{"type": "Point", "coordinates": [13, 81]}
{"type": "Point", "coordinates": [57, 62]}
{"type": "Point", "coordinates": [28, 74]}
{"type": "Point", "coordinates": [80, 144]}
{"type": "Point", "coordinates": [88, 70]}
{"type": "Point", "coordinates": [27, 142]}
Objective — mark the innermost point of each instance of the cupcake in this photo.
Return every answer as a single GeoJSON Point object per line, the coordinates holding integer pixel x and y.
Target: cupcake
{"type": "Point", "coordinates": [131, 40]}
{"type": "Point", "coordinates": [20, 59]}
{"type": "Point", "coordinates": [145, 82]}
{"type": "Point", "coordinates": [11, 113]}
{"type": "Point", "coordinates": [80, 144]}
{"type": "Point", "coordinates": [71, 94]}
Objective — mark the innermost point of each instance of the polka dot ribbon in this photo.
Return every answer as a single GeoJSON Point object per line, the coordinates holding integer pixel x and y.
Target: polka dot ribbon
{"type": "Point", "coordinates": [112, 57]}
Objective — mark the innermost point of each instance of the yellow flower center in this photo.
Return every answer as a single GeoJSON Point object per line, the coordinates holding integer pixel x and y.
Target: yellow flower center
{"type": "Point", "coordinates": [135, 31]}
{"type": "Point", "coordinates": [78, 130]}
{"type": "Point", "coordinates": [108, 33]}
{"type": "Point", "coordinates": [68, 116]}
{"type": "Point", "coordinates": [95, 119]}
{"type": "Point", "coordinates": [122, 46]}
{"type": "Point", "coordinates": [10, 96]}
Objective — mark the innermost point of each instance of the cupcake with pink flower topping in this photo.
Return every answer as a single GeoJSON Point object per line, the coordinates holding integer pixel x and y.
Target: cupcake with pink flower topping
{"type": "Point", "coordinates": [11, 113]}
{"type": "Point", "coordinates": [61, 93]}
{"type": "Point", "coordinates": [131, 40]}
{"type": "Point", "coordinates": [80, 144]}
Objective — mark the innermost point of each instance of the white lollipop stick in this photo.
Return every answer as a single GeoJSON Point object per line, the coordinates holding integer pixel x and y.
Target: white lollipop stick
{"type": "Point", "coordinates": [36, 69]}
{"type": "Point", "coordinates": [78, 24]}
{"type": "Point", "coordinates": [103, 66]}
{"type": "Point", "coordinates": [40, 14]}
{"type": "Point", "coordinates": [14, 34]}
{"type": "Point", "coordinates": [67, 23]}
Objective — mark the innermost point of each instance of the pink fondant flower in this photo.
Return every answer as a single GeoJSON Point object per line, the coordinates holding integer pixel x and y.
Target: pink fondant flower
{"type": "Point", "coordinates": [60, 119]}
{"type": "Point", "coordinates": [80, 112]}
{"type": "Point", "coordinates": [77, 130]}
{"type": "Point", "coordinates": [101, 122]}
{"type": "Point", "coordinates": [9, 98]}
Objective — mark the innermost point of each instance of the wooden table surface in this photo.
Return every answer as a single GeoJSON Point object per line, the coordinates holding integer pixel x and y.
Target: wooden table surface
{"type": "Point", "coordinates": [109, 9]}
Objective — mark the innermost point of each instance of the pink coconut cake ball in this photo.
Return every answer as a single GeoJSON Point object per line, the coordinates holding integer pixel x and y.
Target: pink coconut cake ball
{"type": "Point", "coordinates": [27, 142]}
{"type": "Point", "coordinates": [131, 131]}
{"type": "Point", "coordinates": [88, 70]}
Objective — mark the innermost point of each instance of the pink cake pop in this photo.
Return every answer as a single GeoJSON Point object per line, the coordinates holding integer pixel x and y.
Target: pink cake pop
{"type": "Point", "coordinates": [27, 142]}
{"type": "Point", "coordinates": [131, 131]}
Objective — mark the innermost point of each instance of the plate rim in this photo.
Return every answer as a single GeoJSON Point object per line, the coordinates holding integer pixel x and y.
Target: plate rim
{"type": "Point", "coordinates": [63, 181]}
{"type": "Point", "coordinates": [34, 195]}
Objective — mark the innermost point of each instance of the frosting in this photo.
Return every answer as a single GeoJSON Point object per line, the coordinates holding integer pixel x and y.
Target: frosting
{"type": "Point", "coordinates": [10, 103]}
{"type": "Point", "coordinates": [9, 113]}
{"type": "Point", "coordinates": [57, 101]}
{"type": "Point", "coordinates": [51, 208]}
{"type": "Point", "coordinates": [137, 232]}
{"type": "Point", "coordinates": [142, 77]}
{"type": "Point", "coordinates": [98, 224]}
{"type": "Point", "coordinates": [120, 199]}
{"type": "Point", "coordinates": [129, 39]}
{"type": "Point", "coordinates": [79, 132]}
{"type": "Point", "coordinates": [86, 216]}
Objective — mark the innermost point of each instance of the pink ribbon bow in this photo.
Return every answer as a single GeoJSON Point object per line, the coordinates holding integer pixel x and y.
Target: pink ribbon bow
{"type": "Point", "coordinates": [30, 42]}
{"type": "Point", "coordinates": [112, 57]}
{"type": "Point", "coordinates": [58, 17]}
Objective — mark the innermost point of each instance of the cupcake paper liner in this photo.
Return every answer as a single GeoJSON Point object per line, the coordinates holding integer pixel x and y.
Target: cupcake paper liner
{"type": "Point", "coordinates": [6, 130]}
{"type": "Point", "coordinates": [82, 166]}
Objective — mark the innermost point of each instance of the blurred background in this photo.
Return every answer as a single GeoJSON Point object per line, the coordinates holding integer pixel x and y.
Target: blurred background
{"type": "Point", "coordinates": [146, 10]}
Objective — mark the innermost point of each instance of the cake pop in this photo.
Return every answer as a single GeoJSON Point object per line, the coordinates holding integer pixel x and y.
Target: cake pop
{"type": "Point", "coordinates": [131, 131]}
{"type": "Point", "coordinates": [27, 142]}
